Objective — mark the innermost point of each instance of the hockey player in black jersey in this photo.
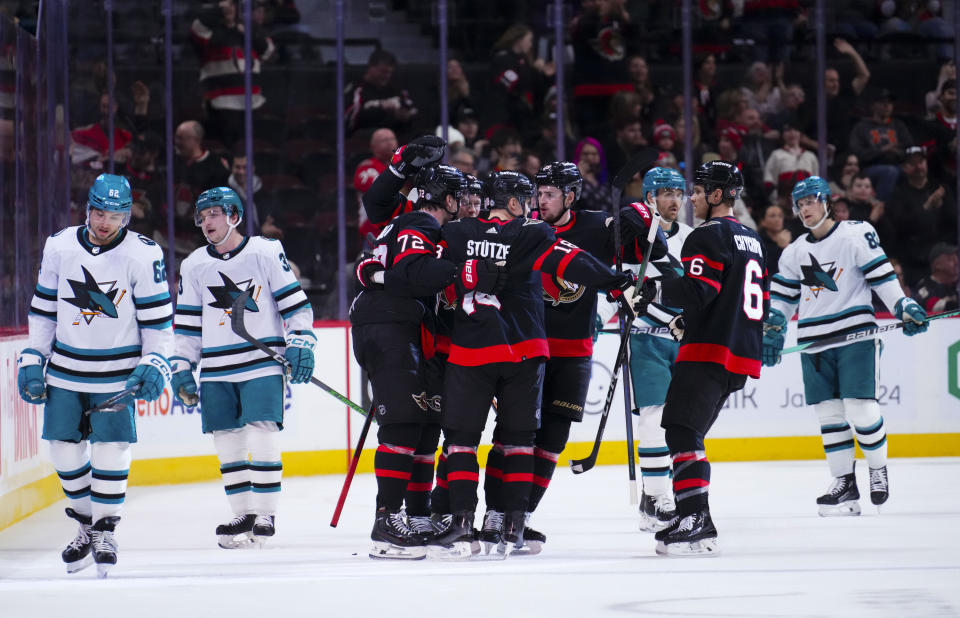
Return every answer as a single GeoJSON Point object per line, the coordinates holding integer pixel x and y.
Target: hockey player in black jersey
{"type": "Point", "coordinates": [724, 297]}
{"type": "Point", "coordinates": [392, 319]}
{"type": "Point", "coordinates": [569, 312]}
{"type": "Point", "coordinates": [498, 349]}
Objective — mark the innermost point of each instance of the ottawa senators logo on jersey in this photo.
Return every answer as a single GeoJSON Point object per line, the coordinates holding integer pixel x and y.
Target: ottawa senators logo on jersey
{"type": "Point", "coordinates": [557, 290]}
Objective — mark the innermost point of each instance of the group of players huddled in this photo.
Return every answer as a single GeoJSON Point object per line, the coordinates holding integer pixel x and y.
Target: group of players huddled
{"type": "Point", "coordinates": [477, 294]}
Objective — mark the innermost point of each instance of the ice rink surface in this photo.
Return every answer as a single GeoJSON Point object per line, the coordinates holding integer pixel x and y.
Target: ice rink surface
{"type": "Point", "coordinates": [778, 557]}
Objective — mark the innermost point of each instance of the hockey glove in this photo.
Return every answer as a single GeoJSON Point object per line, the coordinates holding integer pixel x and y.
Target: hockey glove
{"type": "Point", "coordinates": [597, 326]}
{"type": "Point", "coordinates": [422, 151]}
{"type": "Point", "coordinates": [183, 383]}
{"type": "Point", "coordinates": [151, 374]}
{"type": "Point", "coordinates": [30, 382]}
{"type": "Point", "coordinates": [625, 295]}
{"type": "Point", "coordinates": [912, 315]}
{"type": "Point", "coordinates": [483, 276]}
{"type": "Point", "coordinates": [647, 292]}
{"type": "Point", "coordinates": [370, 273]}
{"type": "Point", "coordinates": [774, 334]}
{"type": "Point", "coordinates": [300, 346]}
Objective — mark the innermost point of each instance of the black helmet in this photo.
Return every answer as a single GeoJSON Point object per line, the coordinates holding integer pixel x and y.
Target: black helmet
{"type": "Point", "coordinates": [505, 185]}
{"type": "Point", "coordinates": [720, 175]}
{"type": "Point", "coordinates": [475, 186]}
{"type": "Point", "coordinates": [563, 175]}
{"type": "Point", "coordinates": [436, 182]}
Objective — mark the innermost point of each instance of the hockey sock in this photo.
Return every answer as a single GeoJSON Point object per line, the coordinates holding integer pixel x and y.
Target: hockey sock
{"type": "Point", "coordinates": [550, 441]}
{"type": "Point", "coordinates": [266, 468]}
{"type": "Point", "coordinates": [421, 474]}
{"type": "Point", "coordinates": [653, 452]}
{"type": "Point", "coordinates": [231, 446]}
{"type": "Point", "coordinates": [691, 481]}
{"type": "Point", "coordinates": [110, 463]}
{"type": "Point", "coordinates": [493, 478]}
{"type": "Point", "coordinates": [870, 430]}
{"type": "Point", "coordinates": [72, 463]}
{"type": "Point", "coordinates": [517, 469]}
{"type": "Point", "coordinates": [837, 436]}
{"type": "Point", "coordinates": [463, 470]}
{"type": "Point", "coordinates": [440, 496]}
{"type": "Point", "coordinates": [393, 463]}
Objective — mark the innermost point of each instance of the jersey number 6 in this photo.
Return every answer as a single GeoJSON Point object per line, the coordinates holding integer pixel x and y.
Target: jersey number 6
{"type": "Point", "coordinates": [752, 291]}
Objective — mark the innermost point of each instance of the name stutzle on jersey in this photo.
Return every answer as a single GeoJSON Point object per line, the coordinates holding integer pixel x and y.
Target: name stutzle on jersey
{"type": "Point", "coordinates": [98, 309]}
{"type": "Point", "coordinates": [830, 281]}
{"type": "Point", "coordinates": [276, 312]}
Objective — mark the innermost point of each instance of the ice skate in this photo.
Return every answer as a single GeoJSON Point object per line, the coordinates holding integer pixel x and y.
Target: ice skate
{"type": "Point", "coordinates": [237, 533]}
{"type": "Point", "coordinates": [394, 540]}
{"type": "Point", "coordinates": [841, 498]}
{"type": "Point", "coordinates": [458, 542]}
{"type": "Point", "coordinates": [690, 535]}
{"type": "Point", "coordinates": [441, 522]}
{"type": "Point", "coordinates": [533, 540]}
{"type": "Point", "coordinates": [656, 512]}
{"type": "Point", "coordinates": [104, 545]}
{"type": "Point", "coordinates": [422, 526]}
{"type": "Point", "coordinates": [511, 538]}
{"type": "Point", "coordinates": [491, 530]}
{"type": "Point", "coordinates": [77, 554]}
{"type": "Point", "coordinates": [263, 529]}
{"type": "Point", "coordinates": [879, 487]}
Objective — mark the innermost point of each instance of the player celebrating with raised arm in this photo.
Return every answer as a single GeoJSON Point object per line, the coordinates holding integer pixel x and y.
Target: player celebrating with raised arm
{"type": "Point", "coordinates": [829, 275]}
{"type": "Point", "coordinates": [723, 297]}
{"type": "Point", "coordinates": [241, 402]}
{"type": "Point", "coordinates": [100, 322]}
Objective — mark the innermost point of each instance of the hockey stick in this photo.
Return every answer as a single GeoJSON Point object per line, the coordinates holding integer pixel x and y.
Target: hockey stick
{"type": "Point", "coordinates": [236, 323]}
{"type": "Point", "coordinates": [639, 330]}
{"type": "Point", "coordinates": [353, 469]}
{"type": "Point", "coordinates": [863, 334]}
{"type": "Point", "coordinates": [113, 404]}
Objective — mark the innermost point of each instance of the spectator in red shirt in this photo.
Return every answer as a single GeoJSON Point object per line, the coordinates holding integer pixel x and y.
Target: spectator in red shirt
{"type": "Point", "coordinates": [90, 144]}
{"type": "Point", "coordinates": [383, 143]}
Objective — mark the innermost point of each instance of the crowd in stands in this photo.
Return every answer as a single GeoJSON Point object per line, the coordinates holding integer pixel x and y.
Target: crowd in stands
{"type": "Point", "coordinates": [891, 152]}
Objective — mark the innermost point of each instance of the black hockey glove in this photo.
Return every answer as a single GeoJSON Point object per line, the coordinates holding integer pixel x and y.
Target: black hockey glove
{"type": "Point", "coordinates": [370, 273]}
{"type": "Point", "coordinates": [625, 295]}
{"type": "Point", "coordinates": [422, 151]}
{"type": "Point", "coordinates": [484, 276]}
{"type": "Point", "coordinates": [646, 293]}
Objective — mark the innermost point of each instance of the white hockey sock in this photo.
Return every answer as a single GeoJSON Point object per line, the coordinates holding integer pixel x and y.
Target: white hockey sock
{"type": "Point", "coordinates": [654, 455]}
{"type": "Point", "coordinates": [232, 451]}
{"type": "Point", "coordinates": [871, 433]}
{"type": "Point", "coordinates": [111, 465]}
{"type": "Point", "coordinates": [837, 436]}
{"type": "Point", "coordinates": [266, 468]}
{"type": "Point", "coordinates": [72, 462]}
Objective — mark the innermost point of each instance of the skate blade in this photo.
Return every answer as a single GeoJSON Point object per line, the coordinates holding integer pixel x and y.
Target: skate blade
{"type": "Point", "coordinates": [844, 509]}
{"type": "Point", "coordinates": [459, 550]}
{"type": "Point", "coordinates": [703, 547]}
{"type": "Point", "coordinates": [382, 550]}
{"type": "Point", "coordinates": [241, 541]}
{"type": "Point", "coordinates": [489, 547]}
{"type": "Point", "coordinates": [81, 564]}
{"type": "Point", "coordinates": [103, 569]}
{"type": "Point", "coordinates": [529, 548]}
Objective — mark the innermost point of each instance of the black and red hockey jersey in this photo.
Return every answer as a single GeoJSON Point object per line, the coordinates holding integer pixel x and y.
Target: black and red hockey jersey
{"type": "Point", "coordinates": [509, 326]}
{"type": "Point", "coordinates": [724, 296]}
{"type": "Point", "coordinates": [383, 201]}
{"type": "Point", "coordinates": [571, 307]}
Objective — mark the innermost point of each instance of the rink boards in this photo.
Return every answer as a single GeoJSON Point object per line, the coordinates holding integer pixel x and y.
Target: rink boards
{"type": "Point", "coordinates": [768, 420]}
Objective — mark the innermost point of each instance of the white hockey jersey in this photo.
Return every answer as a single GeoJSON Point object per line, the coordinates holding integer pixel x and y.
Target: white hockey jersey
{"type": "Point", "coordinates": [98, 309]}
{"type": "Point", "coordinates": [210, 282]}
{"type": "Point", "coordinates": [830, 281]}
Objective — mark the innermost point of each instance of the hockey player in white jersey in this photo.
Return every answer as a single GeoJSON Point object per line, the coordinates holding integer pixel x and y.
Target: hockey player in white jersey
{"type": "Point", "coordinates": [829, 274]}
{"type": "Point", "coordinates": [241, 399]}
{"type": "Point", "coordinates": [653, 352]}
{"type": "Point", "coordinates": [100, 322]}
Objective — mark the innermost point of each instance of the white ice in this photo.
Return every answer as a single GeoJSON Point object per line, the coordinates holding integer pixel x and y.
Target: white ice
{"type": "Point", "coordinates": [778, 557]}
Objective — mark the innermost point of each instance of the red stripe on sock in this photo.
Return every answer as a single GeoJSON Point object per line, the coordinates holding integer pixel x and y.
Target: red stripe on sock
{"type": "Point", "coordinates": [518, 477]}
{"type": "Point", "coordinates": [496, 473]}
{"type": "Point", "coordinates": [396, 450]}
{"type": "Point", "coordinates": [419, 486]}
{"type": "Point", "coordinates": [549, 456]}
{"type": "Point", "coordinates": [463, 476]}
{"type": "Point", "coordinates": [687, 484]}
{"type": "Point", "coordinates": [442, 483]}
{"type": "Point", "coordinates": [392, 474]}
{"type": "Point", "coordinates": [542, 482]}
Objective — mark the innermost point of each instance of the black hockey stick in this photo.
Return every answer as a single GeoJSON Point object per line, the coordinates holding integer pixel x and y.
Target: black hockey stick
{"type": "Point", "coordinates": [353, 469]}
{"type": "Point", "coordinates": [236, 323]}
{"type": "Point", "coordinates": [113, 404]}
{"type": "Point", "coordinates": [863, 334]}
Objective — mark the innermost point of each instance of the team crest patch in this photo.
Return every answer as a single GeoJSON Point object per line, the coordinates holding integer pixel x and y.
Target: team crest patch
{"type": "Point", "coordinates": [225, 295]}
{"type": "Point", "coordinates": [819, 277]}
{"type": "Point", "coordinates": [557, 290]}
{"type": "Point", "coordinates": [427, 404]}
{"type": "Point", "coordinates": [381, 409]}
{"type": "Point", "coordinates": [94, 298]}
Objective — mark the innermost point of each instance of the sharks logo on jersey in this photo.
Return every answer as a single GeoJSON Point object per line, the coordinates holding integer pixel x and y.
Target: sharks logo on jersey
{"type": "Point", "coordinates": [820, 277]}
{"type": "Point", "coordinates": [225, 295]}
{"type": "Point", "coordinates": [94, 298]}
{"type": "Point", "coordinates": [557, 290]}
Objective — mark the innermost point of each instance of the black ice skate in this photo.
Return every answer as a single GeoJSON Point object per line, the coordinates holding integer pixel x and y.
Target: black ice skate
{"type": "Point", "coordinates": [490, 533]}
{"type": "Point", "coordinates": [656, 512]}
{"type": "Point", "coordinates": [104, 545]}
{"type": "Point", "coordinates": [511, 539]}
{"type": "Point", "coordinates": [263, 529]}
{"type": "Point", "coordinates": [441, 522]}
{"type": "Point", "coordinates": [689, 535]}
{"type": "Point", "coordinates": [422, 526]}
{"type": "Point", "coordinates": [77, 554]}
{"type": "Point", "coordinates": [459, 542]}
{"type": "Point", "coordinates": [393, 539]}
{"type": "Point", "coordinates": [841, 498]}
{"type": "Point", "coordinates": [237, 533]}
{"type": "Point", "coordinates": [879, 488]}
{"type": "Point", "coordinates": [533, 540]}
